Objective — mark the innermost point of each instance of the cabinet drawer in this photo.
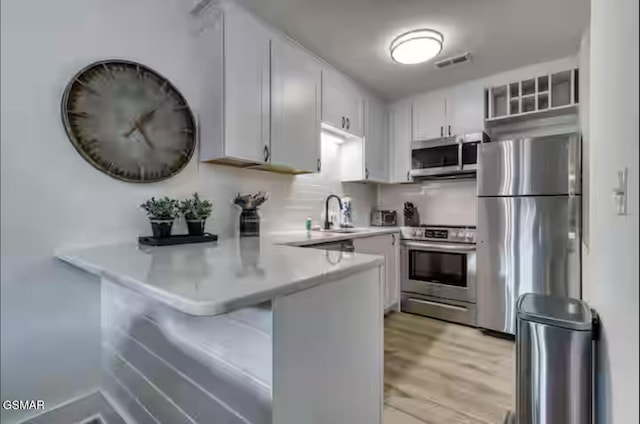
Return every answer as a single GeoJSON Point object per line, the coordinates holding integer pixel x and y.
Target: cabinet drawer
{"type": "Point", "coordinates": [454, 311]}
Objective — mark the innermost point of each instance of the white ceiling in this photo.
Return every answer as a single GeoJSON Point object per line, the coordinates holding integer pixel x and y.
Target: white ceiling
{"type": "Point", "coordinates": [354, 35]}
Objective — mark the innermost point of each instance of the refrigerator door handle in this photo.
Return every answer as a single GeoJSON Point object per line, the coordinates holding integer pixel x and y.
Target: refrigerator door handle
{"type": "Point", "coordinates": [573, 235]}
{"type": "Point", "coordinates": [573, 157]}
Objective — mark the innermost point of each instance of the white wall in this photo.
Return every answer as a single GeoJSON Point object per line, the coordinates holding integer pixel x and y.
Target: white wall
{"type": "Point", "coordinates": [51, 197]}
{"type": "Point", "coordinates": [613, 132]}
{"type": "Point", "coordinates": [438, 202]}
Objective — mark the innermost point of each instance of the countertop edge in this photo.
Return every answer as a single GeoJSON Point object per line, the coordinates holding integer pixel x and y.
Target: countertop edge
{"type": "Point", "coordinates": [204, 308]}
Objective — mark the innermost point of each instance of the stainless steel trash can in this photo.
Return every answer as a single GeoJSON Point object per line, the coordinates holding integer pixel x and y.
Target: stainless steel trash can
{"type": "Point", "coordinates": [554, 360]}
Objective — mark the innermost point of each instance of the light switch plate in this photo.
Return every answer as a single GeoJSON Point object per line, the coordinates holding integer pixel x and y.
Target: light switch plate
{"type": "Point", "coordinates": [620, 192]}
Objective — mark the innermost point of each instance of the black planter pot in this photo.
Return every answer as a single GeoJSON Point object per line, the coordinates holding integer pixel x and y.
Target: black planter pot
{"type": "Point", "coordinates": [196, 227]}
{"type": "Point", "coordinates": [161, 228]}
{"type": "Point", "coordinates": [249, 223]}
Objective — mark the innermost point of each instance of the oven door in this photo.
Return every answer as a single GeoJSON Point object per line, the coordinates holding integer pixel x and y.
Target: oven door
{"type": "Point", "coordinates": [435, 157]}
{"type": "Point", "coordinates": [443, 270]}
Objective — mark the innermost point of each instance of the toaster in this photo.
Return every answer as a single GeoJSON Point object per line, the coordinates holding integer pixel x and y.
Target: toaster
{"type": "Point", "coordinates": [382, 218]}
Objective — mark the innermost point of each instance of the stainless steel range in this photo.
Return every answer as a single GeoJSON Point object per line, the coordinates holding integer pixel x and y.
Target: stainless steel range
{"type": "Point", "coordinates": [438, 272]}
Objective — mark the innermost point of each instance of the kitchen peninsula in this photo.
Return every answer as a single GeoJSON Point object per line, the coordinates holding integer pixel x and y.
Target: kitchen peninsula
{"type": "Point", "coordinates": [245, 331]}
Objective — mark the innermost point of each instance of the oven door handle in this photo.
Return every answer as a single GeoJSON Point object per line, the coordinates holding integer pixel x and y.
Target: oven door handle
{"type": "Point", "coordinates": [438, 247]}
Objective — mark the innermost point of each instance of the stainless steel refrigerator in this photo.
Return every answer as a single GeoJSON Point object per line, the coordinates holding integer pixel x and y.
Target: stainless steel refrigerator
{"type": "Point", "coordinates": [529, 210]}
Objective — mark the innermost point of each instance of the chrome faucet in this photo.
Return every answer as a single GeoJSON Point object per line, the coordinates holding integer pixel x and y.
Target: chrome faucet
{"type": "Point", "coordinates": [327, 223]}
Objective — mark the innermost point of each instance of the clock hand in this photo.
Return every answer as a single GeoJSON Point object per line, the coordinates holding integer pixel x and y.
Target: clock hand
{"type": "Point", "coordinates": [147, 115]}
{"type": "Point", "coordinates": [142, 131]}
{"type": "Point", "coordinates": [142, 119]}
{"type": "Point", "coordinates": [131, 131]}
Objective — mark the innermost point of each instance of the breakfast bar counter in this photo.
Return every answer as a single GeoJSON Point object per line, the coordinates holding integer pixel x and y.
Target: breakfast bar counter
{"type": "Point", "coordinates": [216, 278]}
{"type": "Point", "coordinates": [240, 331]}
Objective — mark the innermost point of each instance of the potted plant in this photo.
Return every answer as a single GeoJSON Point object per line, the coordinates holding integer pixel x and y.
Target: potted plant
{"type": "Point", "coordinates": [162, 213]}
{"type": "Point", "coordinates": [196, 211]}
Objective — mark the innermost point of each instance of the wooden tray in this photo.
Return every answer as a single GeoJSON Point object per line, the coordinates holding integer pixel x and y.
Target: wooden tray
{"type": "Point", "coordinates": [177, 239]}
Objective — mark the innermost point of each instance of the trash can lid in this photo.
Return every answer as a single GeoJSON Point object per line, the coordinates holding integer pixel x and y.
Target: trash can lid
{"type": "Point", "coordinates": [557, 311]}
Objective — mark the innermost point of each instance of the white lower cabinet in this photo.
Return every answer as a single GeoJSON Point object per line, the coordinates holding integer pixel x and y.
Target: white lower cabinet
{"type": "Point", "coordinates": [387, 245]}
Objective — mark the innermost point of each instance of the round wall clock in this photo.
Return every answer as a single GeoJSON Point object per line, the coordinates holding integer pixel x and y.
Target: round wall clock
{"type": "Point", "coordinates": [128, 121]}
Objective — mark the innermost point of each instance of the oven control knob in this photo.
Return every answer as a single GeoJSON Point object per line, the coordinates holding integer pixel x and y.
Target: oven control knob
{"type": "Point", "coordinates": [468, 236]}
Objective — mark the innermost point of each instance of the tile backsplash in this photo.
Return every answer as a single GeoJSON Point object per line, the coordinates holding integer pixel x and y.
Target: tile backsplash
{"type": "Point", "coordinates": [438, 202]}
{"type": "Point", "coordinates": [291, 198]}
{"type": "Point", "coordinates": [294, 198]}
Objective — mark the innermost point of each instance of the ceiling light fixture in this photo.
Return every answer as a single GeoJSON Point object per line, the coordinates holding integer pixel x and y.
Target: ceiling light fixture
{"type": "Point", "coordinates": [416, 46]}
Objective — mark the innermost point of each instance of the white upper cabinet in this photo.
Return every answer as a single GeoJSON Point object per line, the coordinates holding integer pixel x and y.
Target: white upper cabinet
{"type": "Point", "coordinates": [247, 100]}
{"type": "Point", "coordinates": [465, 108]}
{"type": "Point", "coordinates": [430, 115]}
{"type": "Point", "coordinates": [376, 146]}
{"type": "Point", "coordinates": [295, 108]}
{"type": "Point", "coordinates": [342, 103]}
{"type": "Point", "coordinates": [233, 51]}
{"type": "Point", "coordinates": [449, 112]}
{"type": "Point", "coordinates": [400, 141]}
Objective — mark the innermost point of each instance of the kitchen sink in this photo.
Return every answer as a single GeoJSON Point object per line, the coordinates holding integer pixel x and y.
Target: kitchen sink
{"type": "Point", "coordinates": [344, 230]}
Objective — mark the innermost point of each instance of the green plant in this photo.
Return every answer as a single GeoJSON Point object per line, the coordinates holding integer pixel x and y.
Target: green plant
{"type": "Point", "coordinates": [161, 209]}
{"type": "Point", "coordinates": [195, 208]}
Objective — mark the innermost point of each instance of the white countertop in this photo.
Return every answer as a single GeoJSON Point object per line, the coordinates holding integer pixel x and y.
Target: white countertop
{"type": "Point", "coordinates": [216, 278]}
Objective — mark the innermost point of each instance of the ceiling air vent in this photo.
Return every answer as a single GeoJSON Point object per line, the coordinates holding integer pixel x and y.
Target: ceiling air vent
{"type": "Point", "coordinates": [464, 57]}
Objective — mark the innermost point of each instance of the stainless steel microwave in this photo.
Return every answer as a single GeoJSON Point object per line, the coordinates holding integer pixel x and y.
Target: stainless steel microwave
{"type": "Point", "coordinates": [447, 157]}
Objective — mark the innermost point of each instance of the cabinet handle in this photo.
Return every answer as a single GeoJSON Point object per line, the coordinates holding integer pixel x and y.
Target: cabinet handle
{"type": "Point", "coordinates": [408, 176]}
{"type": "Point", "coordinates": [441, 131]}
{"type": "Point", "coordinates": [366, 173]}
{"type": "Point", "coordinates": [343, 122]}
{"type": "Point", "coordinates": [348, 123]}
{"type": "Point", "coordinates": [449, 130]}
{"type": "Point", "coordinates": [319, 164]}
{"type": "Point", "coordinates": [393, 239]}
{"type": "Point", "coordinates": [266, 153]}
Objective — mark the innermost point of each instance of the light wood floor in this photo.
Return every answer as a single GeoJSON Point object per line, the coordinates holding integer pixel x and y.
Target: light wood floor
{"type": "Point", "coordinates": [441, 373]}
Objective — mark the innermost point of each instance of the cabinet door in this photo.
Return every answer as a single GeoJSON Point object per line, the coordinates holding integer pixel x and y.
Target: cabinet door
{"type": "Point", "coordinates": [465, 108]}
{"type": "Point", "coordinates": [377, 245]}
{"type": "Point", "coordinates": [295, 108]}
{"type": "Point", "coordinates": [376, 146]}
{"type": "Point", "coordinates": [393, 272]}
{"type": "Point", "coordinates": [400, 142]}
{"type": "Point", "coordinates": [342, 103]}
{"type": "Point", "coordinates": [246, 89]}
{"type": "Point", "coordinates": [386, 245]}
{"type": "Point", "coordinates": [429, 115]}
